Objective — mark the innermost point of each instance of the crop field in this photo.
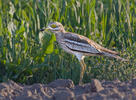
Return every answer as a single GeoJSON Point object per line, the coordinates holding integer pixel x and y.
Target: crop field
{"type": "Point", "coordinates": [29, 56]}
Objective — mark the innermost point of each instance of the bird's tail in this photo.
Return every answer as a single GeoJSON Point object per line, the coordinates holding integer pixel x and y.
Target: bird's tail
{"type": "Point", "coordinates": [115, 56]}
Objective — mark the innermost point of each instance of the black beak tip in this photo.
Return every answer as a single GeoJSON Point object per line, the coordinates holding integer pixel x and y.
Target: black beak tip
{"type": "Point", "coordinates": [42, 30]}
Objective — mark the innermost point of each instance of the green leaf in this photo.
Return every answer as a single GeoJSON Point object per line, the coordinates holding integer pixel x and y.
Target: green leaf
{"type": "Point", "coordinates": [50, 46]}
{"type": "Point", "coordinates": [0, 25]}
{"type": "Point", "coordinates": [21, 29]}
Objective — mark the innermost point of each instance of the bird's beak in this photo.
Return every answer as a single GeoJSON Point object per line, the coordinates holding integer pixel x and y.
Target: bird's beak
{"type": "Point", "coordinates": [45, 29]}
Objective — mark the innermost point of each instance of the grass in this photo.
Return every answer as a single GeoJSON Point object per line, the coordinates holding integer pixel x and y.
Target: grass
{"type": "Point", "coordinates": [29, 56]}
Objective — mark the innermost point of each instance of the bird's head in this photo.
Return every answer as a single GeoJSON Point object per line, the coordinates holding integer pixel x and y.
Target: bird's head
{"type": "Point", "coordinates": [54, 27]}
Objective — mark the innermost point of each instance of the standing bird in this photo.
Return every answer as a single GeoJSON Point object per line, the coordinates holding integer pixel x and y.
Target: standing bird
{"type": "Point", "coordinates": [79, 45]}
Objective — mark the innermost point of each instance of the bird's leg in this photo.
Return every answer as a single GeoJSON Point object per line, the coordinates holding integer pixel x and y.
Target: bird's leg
{"type": "Point", "coordinates": [83, 67]}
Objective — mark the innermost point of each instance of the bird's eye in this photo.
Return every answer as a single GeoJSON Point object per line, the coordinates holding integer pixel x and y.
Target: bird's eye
{"type": "Point", "coordinates": [53, 26]}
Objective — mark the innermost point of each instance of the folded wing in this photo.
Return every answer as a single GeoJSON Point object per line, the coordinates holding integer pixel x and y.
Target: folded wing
{"type": "Point", "coordinates": [83, 44]}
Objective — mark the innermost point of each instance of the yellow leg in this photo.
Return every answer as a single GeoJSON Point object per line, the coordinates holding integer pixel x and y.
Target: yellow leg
{"type": "Point", "coordinates": [83, 67]}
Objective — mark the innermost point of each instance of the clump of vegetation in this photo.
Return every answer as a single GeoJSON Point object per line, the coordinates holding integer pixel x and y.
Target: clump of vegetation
{"type": "Point", "coordinates": [29, 56]}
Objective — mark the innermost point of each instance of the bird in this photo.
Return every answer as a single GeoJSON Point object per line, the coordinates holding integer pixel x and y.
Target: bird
{"type": "Point", "coordinates": [79, 45]}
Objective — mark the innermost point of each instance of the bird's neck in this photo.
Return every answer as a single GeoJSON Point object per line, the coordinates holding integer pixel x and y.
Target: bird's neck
{"type": "Point", "coordinates": [59, 35]}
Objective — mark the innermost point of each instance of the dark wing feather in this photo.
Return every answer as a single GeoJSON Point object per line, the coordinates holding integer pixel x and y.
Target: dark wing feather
{"type": "Point", "coordinates": [83, 44]}
{"type": "Point", "coordinates": [79, 43]}
{"type": "Point", "coordinates": [102, 49]}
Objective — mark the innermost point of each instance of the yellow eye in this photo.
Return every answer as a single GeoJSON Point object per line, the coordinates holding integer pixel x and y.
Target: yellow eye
{"type": "Point", "coordinates": [53, 26]}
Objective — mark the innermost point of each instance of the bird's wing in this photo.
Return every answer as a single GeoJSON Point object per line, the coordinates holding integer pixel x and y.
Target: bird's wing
{"type": "Point", "coordinates": [83, 44]}
{"type": "Point", "coordinates": [102, 49]}
{"type": "Point", "coordinates": [79, 43]}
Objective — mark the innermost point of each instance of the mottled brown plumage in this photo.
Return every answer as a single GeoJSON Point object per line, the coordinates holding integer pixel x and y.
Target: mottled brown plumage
{"type": "Point", "coordinates": [79, 45]}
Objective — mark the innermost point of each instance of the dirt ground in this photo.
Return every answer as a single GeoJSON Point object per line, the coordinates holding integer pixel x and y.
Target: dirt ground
{"type": "Point", "coordinates": [66, 90]}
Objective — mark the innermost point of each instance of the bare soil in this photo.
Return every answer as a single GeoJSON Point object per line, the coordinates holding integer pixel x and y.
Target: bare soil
{"type": "Point", "coordinates": [62, 89]}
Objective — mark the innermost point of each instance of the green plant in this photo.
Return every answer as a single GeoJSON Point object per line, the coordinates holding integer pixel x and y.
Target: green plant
{"type": "Point", "coordinates": [29, 56]}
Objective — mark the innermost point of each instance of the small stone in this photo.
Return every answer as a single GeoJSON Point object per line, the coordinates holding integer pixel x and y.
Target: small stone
{"type": "Point", "coordinates": [81, 97]}
{"type": "Point", "coordinates": [96, 85]}
{"type": "Point", "coordinates": [133, 82]}
{"type": "Point", "coordinates": [64, 95]}
{"type": "Point", "coordinates": [62, 83]}
{"type": "Point", "coordinates": [117, 81]}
